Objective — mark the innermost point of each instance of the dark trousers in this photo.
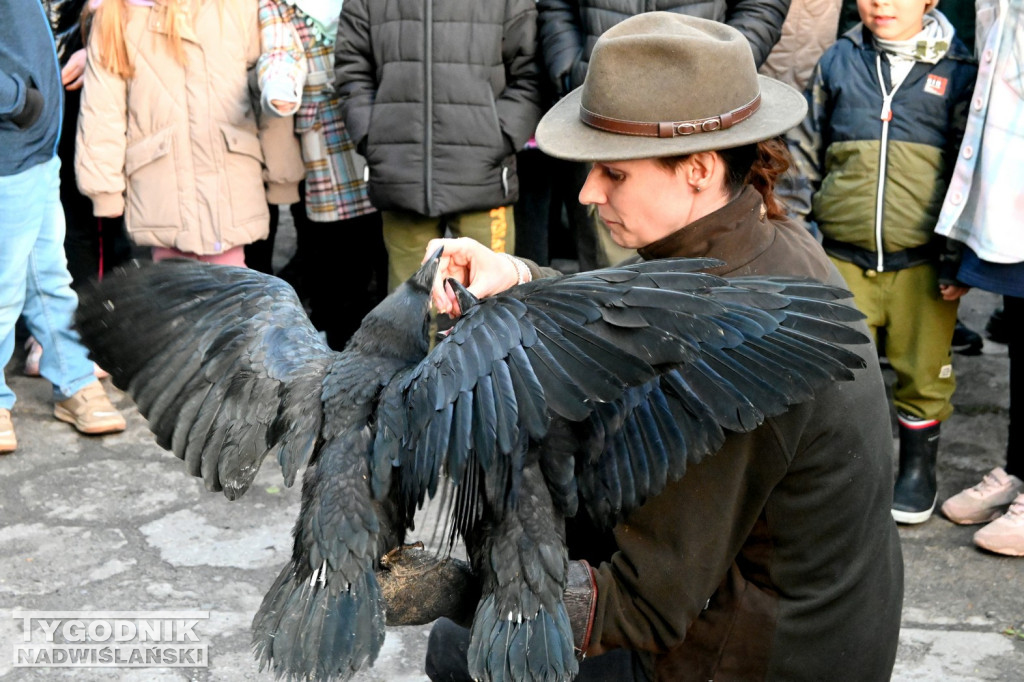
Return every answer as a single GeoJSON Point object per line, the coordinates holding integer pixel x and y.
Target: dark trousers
{"type": "Point", "coordinates": [550, 221]}
{"type": "Point", "coordinates": [92, 245]}
{"type": "Point", "coordinates": [448, 644]}
{"type": "Point", "coordinates": [339, 268]}
{"type": "Point", "coordinates": [1013, 309]}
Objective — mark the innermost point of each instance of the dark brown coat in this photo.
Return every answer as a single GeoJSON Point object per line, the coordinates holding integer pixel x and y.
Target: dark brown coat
{"type": "Point", "coordinates": [776, 558]}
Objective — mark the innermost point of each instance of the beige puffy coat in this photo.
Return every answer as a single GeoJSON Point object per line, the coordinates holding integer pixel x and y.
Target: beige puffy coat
{"type": "Point", "coordinates": [177, 150]}
{"type": "Point", "coordinates": [810, 28]}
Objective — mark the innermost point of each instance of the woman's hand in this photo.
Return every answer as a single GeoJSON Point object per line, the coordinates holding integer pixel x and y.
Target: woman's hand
{"type": "Point", "coordinates": [482, 271]}
{"type": "Point", "coordinates": [73, 73]}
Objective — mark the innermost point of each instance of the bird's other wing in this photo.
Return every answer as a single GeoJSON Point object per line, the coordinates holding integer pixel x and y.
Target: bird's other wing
{"type": "Point", "coordinates": [222, 361]}
{"type": "Point", "coordinates": [647, 363]}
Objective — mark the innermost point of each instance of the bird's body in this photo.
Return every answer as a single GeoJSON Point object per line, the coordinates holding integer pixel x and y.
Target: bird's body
{"type": "Point", "coordinates": [584, 392]}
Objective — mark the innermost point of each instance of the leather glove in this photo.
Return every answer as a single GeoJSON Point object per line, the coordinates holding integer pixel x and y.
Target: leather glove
{"type": "Point", "coordinates": [419, 587]}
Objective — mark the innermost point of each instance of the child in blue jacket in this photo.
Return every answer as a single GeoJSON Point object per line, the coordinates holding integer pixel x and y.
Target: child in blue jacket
{"type": "Point", "coordinates": [888, 105]}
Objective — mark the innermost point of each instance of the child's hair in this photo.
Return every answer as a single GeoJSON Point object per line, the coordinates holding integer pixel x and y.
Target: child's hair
{"type": "Point", "coordinates": [108, 26]}
{"type": "Point", "coordinates": [759, 165]}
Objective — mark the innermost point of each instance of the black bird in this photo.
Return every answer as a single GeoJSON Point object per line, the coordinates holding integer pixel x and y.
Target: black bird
{"type": "Point", "coordinates": [593, 389]}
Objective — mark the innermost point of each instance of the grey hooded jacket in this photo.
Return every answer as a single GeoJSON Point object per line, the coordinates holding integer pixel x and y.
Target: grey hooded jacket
{"type": "Point", "coordinates": [28, 61]}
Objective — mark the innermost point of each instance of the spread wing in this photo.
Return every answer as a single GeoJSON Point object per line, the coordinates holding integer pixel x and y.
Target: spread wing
{"type": "Point", "coordinates": [617, 378]}
{"type": "Point", "coordinates": [222, 361]}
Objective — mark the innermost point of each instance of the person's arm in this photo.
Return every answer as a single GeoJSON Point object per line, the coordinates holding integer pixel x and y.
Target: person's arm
{"type": "Point", "coordinates": [20, 103]}
{"type": "Point", "coordinates": [807, 143]}
{"type": "Point", "coordinates": [760, 21]}
{"type": "Point", "coordinates": [355, 71]}
{"type": "Point", "coordinates": [282, 65]}
{"type": "Point", "coordinates": [519, 103]}
{"type": "Point", "coordinates": [101, 140]}
{"type": "Point", "coordinates": [675, 551]}
{"type": "Point", "coordinates": [561, 40]}
{"type": "Point", "coordinates": [283, 168]}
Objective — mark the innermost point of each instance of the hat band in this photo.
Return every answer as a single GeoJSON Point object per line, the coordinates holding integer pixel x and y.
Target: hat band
{"type": "Point", "coordinates": [671, 128]}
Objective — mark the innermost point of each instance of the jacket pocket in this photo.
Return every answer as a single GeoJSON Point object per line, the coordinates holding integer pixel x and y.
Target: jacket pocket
{"type": "Point", "coordinates": [152, 181]}
{"type": "Point", "coordinates": [243, 174]}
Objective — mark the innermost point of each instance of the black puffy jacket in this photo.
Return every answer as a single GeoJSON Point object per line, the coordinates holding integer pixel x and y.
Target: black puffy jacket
{"type": "Point", "coordinates": [438, 95]}
{"type": "Point", "coordinates": [569, 28]}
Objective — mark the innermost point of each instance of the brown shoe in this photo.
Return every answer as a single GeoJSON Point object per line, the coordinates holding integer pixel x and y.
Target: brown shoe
{"type": "Point", "coordinates": [8, 443]}
{"type": "Point", "coordinates": [90, 411]}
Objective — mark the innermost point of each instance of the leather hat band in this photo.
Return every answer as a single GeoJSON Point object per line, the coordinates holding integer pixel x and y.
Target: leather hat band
{"type": "Point", "coordinates": [671, 128]}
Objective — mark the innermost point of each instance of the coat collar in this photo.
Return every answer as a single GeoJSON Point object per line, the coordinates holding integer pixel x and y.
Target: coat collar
{"type": "Point", "coordinates": [737, 233]}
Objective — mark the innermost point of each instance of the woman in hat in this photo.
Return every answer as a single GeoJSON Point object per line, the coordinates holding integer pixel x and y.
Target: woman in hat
{"type": "Point", "coordinates": [776, 557]}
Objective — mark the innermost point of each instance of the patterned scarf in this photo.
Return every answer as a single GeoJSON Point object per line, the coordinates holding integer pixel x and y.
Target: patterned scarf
{"type": "Point", "coordinates": [930, 45]}
{"type": "Point", "coordinates": [321, 16]}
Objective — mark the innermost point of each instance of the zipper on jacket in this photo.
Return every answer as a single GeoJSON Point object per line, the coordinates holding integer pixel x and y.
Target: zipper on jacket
{"type": "Point", "coordinates": [428, 109]}
{"type": "Point", "coordinates": [885, 115]}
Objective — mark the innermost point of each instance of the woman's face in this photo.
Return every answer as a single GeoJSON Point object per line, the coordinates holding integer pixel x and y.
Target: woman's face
{"type": "Point", "coordinates": [640, 201]}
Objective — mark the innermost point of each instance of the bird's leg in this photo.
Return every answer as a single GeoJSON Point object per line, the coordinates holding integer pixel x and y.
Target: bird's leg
{"type": "Point", "coordinates": [521, 631]}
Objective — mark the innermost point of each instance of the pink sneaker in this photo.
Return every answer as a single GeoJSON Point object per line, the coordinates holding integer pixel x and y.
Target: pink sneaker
{"type": "Point", "coordinates": [35, 353]}
{"type": "Point", "coordinates": [1005, 535]}
{"type": "Point", "coordinates": [985, 501]}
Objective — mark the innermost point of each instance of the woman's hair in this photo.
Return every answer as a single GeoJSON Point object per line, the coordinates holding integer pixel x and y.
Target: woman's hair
{"type": "Point", "coordinates": [759, 165]}
{"type": "Point", "coordinates": [108, 27]}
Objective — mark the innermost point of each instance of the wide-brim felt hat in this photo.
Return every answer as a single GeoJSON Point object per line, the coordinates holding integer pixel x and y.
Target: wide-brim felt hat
{"type": "Point", "coordinates": [665, 84]}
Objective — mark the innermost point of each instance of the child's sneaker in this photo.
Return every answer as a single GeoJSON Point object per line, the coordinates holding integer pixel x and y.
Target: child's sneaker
{"type": "Point", "coordinates": [985, 501]}
{"type": "Point", "coordinates": [8, 443]}
{"type": "Point", "coordinates": [1005, 535]}
{"type": "Point", "coordinates": [90, 411]}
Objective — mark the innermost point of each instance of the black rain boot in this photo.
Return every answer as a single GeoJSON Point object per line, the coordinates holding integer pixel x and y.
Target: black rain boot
{"type": "Point", "coordinates": [914, 495]}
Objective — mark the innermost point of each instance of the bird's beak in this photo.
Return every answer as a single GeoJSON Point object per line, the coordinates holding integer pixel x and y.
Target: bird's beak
{"type": "Point", "coordinates": [424, 277]}
{"type": "Point", "coordinates": [463, 295]}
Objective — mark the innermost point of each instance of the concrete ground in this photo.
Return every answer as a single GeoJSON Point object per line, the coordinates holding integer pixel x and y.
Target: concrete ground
{"type": "Point", "coordinates": [114, 524]}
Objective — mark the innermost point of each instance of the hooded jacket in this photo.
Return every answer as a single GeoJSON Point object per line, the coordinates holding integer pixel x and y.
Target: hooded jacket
{"type": "Point", "coordinates": [177, 149]}
{"type": "Point", "coordinates": [880, 183]}
{"type": "Point", "coordinates": [570, 28]}
{"type": "Point", "coordinates": [27, 60]}
{"type": "Point", "coordinates": [439, 95]}
{"type": "Point", "coordinates": [775, 558]}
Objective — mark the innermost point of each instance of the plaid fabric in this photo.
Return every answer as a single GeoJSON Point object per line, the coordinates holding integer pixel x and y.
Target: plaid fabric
{"type": "Point", "coordinates": [335, 189]}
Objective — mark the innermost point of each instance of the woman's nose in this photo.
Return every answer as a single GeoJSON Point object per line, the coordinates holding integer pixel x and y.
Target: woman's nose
{"type": "Point", "coordinates": [591, 192]}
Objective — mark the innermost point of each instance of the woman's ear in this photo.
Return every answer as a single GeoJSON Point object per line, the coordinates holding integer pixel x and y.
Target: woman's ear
{"type": "Point", "coordinates": [700, 169]}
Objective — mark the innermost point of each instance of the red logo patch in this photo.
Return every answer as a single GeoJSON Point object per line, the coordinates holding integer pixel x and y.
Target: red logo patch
{"type": "Point", "coordinates": [936, 85]}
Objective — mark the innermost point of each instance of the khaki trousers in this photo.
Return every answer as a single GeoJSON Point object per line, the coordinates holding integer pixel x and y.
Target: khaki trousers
{"type": "Point", "coordinates": [406, 236]}
{"type": "Point", "coordinates": [918, 329]}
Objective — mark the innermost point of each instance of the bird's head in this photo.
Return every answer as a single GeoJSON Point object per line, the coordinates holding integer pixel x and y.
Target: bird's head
{"type": "Point", "coordinates": [400, 324]}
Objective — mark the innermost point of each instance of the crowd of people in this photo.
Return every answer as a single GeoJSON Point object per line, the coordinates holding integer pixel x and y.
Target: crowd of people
{"type": "Point", "coordinates": [179, 128]}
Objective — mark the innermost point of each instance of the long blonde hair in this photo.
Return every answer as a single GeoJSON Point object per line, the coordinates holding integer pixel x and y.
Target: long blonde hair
{"type": "Point", "coordinates": [108, 29]}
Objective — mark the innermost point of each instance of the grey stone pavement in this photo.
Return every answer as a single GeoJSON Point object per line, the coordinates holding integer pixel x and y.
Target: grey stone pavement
{"type": "Point", "coordinates": [115, 524]}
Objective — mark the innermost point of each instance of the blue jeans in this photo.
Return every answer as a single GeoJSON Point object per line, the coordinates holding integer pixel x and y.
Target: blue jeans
{"type": "Point", "coordinates": [34, 280]}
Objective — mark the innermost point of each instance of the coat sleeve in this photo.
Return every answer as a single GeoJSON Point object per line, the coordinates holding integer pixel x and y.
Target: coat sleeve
{"type": "Point", "coordinates": [519, 103]}
{"type": "Point", "coordinates": [561, 40]}
{"type": "Point", "coordinates": [282, 65]}
{"type": "Point", "coordinates": [807, 143]}
{"type": "Point", "coordinates": [101, 142]}
{"type": "Point", "coordinates": [675, 550]}
{"type": "Point", "coordinates": [283, 168]}
{"type": "Point", "coordinates": [355, 71]}
{"type": "Point", "coordinates": [760, 21]}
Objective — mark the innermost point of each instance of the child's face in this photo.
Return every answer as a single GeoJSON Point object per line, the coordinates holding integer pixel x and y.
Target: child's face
{"type": "Point", "coordinates": [893, 19]}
